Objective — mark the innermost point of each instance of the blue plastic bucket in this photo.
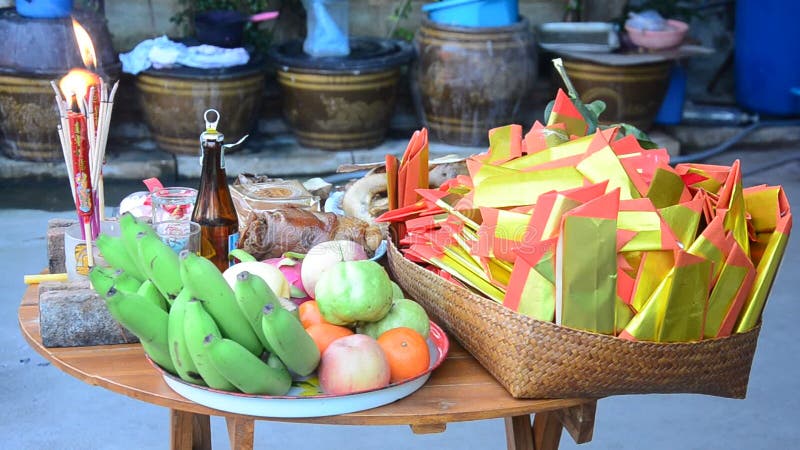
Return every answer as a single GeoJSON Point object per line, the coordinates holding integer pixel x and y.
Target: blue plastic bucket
{"type": "Point", "coordinates": [44, 9]}
{"type": "Point", "coordinates": [767, 56]}
{"type": "Point", "coordinates": [473, 13]}
{"type": "Point", "coordinates": [671, 110]}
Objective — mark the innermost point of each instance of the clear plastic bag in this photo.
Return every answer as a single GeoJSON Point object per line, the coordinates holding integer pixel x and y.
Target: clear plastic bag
{"type": "Point", "coordinates": [327, 24]}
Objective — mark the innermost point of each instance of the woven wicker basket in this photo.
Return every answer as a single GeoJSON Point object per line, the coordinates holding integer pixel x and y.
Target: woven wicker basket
{"type": "Point", "coordinates": [535, 359]}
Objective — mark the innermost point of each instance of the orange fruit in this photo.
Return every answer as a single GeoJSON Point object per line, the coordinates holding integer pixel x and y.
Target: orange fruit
{"type": "Point", "coordinates": [407, 353]}
{"type": "Point", "coordinates": [309, 313]}
{"type": "Point", "coordinates": [325, 333]}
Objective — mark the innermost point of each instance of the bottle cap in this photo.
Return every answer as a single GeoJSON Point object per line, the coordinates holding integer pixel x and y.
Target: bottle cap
{"type": "Point", "coordinates": [211, 133]}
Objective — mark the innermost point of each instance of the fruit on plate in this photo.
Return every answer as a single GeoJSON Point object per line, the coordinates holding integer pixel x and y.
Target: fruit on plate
{"type": "Point", "coordinates": [205, 282]}
{"type": "Point", "coordinates": [247, 372]}
{"type": "Point", "coordinates": [396, 291]}
{"type": "Point", "coordinates": [354, 291]}
{"type": "Point", "coordinates": [309, 314]}
{"type": "Point", "coordinates": [406, 352]}
{"type": "Point", "coordinates": [289, 340]}
{"type": "Point", "coordinates": [324, 255]}
{"type": "Point", "coordinates": [324, 334]}
{"type": "Point", "coordinates": [267, 272]}
{"type": "Point", "coordinates": [352, 364]}
{"type": "Point", "coordinates": [403, 313]}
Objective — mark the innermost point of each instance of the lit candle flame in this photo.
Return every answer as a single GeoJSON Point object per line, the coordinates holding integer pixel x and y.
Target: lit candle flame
{"type": "Point", "coordinates": [76, 84]}
{"type": "Point", "coordinates": [85, 45]}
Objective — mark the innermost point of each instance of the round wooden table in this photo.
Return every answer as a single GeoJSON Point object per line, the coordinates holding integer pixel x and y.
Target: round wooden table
{"type": "Point", "coordinates": [459, 390]}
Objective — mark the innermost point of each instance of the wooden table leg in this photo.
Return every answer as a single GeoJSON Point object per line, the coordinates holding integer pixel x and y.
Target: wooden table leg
{"type": "Point", "coordinates": [240, 432]}
{"type": "Point", "coordinates": [579, 421]}
{"type": "Point", "coordinates": [518, 433]}
{"type": "Point", "coordinates": [189, 431]}
{"type": "Point", "coordinates": [546, 430]}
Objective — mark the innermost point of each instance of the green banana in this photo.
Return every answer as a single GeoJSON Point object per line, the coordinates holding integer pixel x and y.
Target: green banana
{"type": "Point", "coordinates": [241, 255]}
{"type": "Point", "coordinates": [129, 228]}
{"type": "Point", "coordinates": [178, 350]}
{"type": "Point", "coordinates": [116, 255]}
{"type": "Point", "coordinates": [206, 283]}
{"type": "Point", "coordinates": [103, 278]}
{"type": "Point", "coordinates": [149, 291]}
{"type": "Point", "coordinates": [289, 340]}
{"type": "Point", "coordinates": [197, 324]}
{"type": "Point", "coordinates": [252, 294]}
{"type": "Point", "coordinates": [147, 321]}
{"type": "Point", "coordinates": [161, 264]}
{"type": "Point", "coordinates": [244, 370]}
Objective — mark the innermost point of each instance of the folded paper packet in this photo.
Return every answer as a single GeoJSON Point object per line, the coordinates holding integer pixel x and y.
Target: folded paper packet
{"type": "Point", "coordinates": [596, 233]}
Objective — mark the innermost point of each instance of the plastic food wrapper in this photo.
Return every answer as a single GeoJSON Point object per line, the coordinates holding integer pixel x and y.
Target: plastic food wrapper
{"type": "Point", "coordinates": [253, 194]}
{"type": "Point", "coordinates": [595, 232]}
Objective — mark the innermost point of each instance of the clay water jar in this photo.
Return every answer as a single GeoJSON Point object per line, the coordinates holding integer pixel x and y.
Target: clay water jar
{"type": "Point", "coordinates": [32, 53]}
{"type": "Point", "coordinates": [173, 102]}
{"type": "Point", "coordinates": [467, 80]}
{"type": "Point", "coordinates": [633, 94]}
{"type": "Point", "coordinates": [340, 102]}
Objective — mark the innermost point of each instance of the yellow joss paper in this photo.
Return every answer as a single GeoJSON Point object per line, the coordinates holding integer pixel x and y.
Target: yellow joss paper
{"type": "Point", "coordinates": [564, 111]}
{"type": "Point", "coordinates": [505, 143]}
{"type": "Point", "coordinates": [586, 266]}
{"type": "Point", "coordinates": [729, 294]}
{"type": "Point", "coordinates": [641, 217]}
{"type": "Point", "coordinates": [732, 199]}
{"type": "Point", "coordinates": [765, 275]}
{"type": "Point", "coordinates": [684, 219]}
{"type": "Point", "coordinates": [711, 177]}
{"type": "Point", "coordinates": [675, 311]}
{"type": "Point", "coordinates": [603, 165]}
{"type": "Point", "coordinates": [565, 150]}
{"type": "Point", "coordinates": [765, 205]}
{"type": "Point", "coordinates": [523, 188]}
{"type": "Point", "coordinates": [667, 188]}
{"type": "Point", "coordinates": [713, 244]}
{"type": "Point", "coordinates": [540, 137]}
{"type": "Point", "coordinates": [531, 289]}
{"type": "Point", "coordinates": [653, 268]}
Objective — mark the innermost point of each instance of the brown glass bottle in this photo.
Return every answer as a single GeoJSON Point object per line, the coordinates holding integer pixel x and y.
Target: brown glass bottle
{"type": "Point", "coordinates": [214, 210]}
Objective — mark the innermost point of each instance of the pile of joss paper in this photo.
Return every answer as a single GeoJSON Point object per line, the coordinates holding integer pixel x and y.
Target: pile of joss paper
{"type": "Point", "coordinates": [596, 233]}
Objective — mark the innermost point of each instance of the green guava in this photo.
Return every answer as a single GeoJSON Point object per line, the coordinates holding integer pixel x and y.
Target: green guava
{"type": "Point", "coordinates": [404, 313]}
{"type": "Point", "coordinates": [354, 291]}
{"type": "Point", "coordinates": [396, 291]}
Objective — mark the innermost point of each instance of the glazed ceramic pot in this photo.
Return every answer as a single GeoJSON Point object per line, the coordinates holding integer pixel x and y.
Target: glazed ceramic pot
{"type": "Point", "coordinates": [340, 103]}
{"type": "Point", "coordinates": [468, 80]}
{"type": "Point", "coordinates": [173, 102]}
{"type": "Point", "coordinates": [632, 94]}
{"type": "Point", "coordinates": [33, 53]}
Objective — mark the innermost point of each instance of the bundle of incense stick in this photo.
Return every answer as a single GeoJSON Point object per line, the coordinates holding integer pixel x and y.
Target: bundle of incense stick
{"type": "Point", "coordinates": [84, 160]}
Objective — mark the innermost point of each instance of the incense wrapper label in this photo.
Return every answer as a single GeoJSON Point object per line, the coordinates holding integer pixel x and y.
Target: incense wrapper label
{"type": "Point", "coordinates": [79, 146]}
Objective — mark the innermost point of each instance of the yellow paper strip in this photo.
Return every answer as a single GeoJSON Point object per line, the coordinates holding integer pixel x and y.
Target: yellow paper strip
{"type": "Point", "coordinates": [525, 187]}
{"type": "Point", "coordinates": [765, 275]}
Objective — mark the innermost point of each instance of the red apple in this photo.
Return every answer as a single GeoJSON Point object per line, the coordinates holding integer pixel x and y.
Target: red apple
{"type": "Point", "coordinates": [351, 364]}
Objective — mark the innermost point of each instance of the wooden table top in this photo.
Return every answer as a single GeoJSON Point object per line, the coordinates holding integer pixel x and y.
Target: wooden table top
{"type": "Point", "coordinates": [459, 390]}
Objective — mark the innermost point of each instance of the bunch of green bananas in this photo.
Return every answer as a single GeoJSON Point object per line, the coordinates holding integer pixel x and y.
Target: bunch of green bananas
{"type": "Point", "coordinates": [192, 323]}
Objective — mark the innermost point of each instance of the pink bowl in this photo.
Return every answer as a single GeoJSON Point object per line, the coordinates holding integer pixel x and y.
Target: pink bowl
{"type": "Point", "coordinates": [659, 40]}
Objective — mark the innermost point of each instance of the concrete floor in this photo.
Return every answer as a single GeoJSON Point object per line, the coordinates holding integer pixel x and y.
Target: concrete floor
{"type": "Point", "coordinates": [44, 408]}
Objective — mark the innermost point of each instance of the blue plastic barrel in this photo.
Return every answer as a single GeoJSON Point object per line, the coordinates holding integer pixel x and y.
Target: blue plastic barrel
{"type": "Point", "coordinates": [767, 56]}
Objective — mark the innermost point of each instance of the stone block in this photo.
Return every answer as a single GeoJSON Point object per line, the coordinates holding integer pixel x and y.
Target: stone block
{"type": "Point", "coordinates": [55, 244]}
{"type": "Point", "coordinates": [71, 314]}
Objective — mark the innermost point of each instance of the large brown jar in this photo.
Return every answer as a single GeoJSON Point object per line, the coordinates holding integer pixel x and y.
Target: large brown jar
{"type": "Point", "coordinates": [468, 80]}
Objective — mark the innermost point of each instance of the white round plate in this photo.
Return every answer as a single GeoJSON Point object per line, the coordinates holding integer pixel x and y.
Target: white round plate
{"type": "Point", "coordinates": [303, 400]}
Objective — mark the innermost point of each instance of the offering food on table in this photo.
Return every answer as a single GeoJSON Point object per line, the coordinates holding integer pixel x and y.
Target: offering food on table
{"type": "Point", "coordinates": [241, 336]}
{"type": "Point", "coordinates": [270, 234]}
